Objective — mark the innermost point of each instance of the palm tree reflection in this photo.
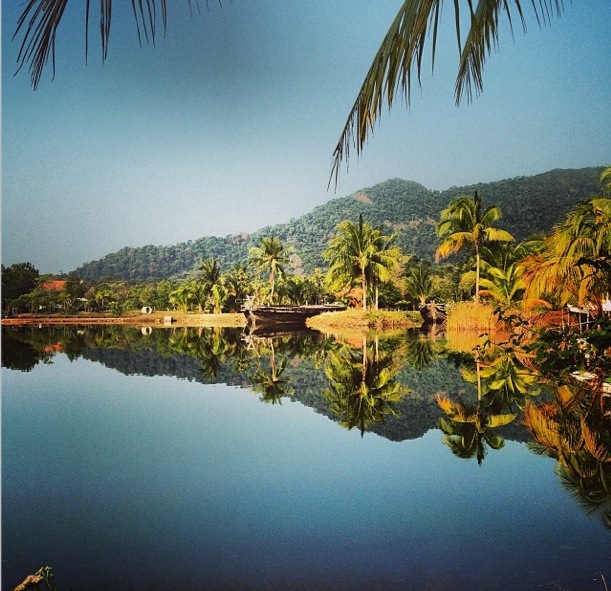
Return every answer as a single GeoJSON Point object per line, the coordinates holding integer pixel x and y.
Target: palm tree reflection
{"type": "Point", "coordinates": [362, 385]}
{"type": "Point", "coordinates": [575, 429]}
{"type": "Point", "coordinates": [501, 383]}
{"type": "Point", "coordinates": [269, 381]}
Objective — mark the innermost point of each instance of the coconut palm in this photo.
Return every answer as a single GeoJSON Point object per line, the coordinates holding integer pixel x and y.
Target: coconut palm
{"type": "Point", "coordinates": [182, 297]}
{"type": "Point", "coordinates": [384, 261]}
{"type": "Point", "coordinates": [501, 274]}
{"type": "Point", "coordinates": [418, 281]}
{"type": "Point", "coordinates": [463, 223]}
{"type": "Point", "coordinates": [210, 271]}
{"type": "Point", "coordinates": [605, 180]}
{"type": "Point", "coordinates": [270, 257]}
{"type": "Point", "coordinates": [574, 265]}
{"type": "Point", "coordinates": [360, 253]}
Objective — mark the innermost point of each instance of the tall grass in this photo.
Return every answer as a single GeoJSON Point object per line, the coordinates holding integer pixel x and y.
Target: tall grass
{"type": "Point", "coordinates": [467, 321]}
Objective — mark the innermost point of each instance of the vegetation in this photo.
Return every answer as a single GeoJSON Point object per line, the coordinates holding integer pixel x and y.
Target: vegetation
{"type": "Point", "coordinates": [530, 205]}
{"type": "Point", "coordinates": [360, 253]}
{"type": "Point", "coordinates": [571, 264]}
{"type": "Point", "coordinates": [464, 222]}
{"type": "Point", "coordinates": [392, 70]}
{"type": "Point", "coordinates": [270, 258]}
{"type": "Point", "coordinates": [390, 74]}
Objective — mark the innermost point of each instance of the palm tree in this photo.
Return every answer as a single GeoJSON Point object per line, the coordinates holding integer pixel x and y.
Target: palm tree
{"type": "Point", "coordinates": [575, 261]}
{"type": "Point", "coordinates": [605, 180]}
{"type": "Point", "coordinates": [390, 74]}
{"type": "Point", "coordinates": [210, 273]}
{"type": "Point", "coordinates": [384, 261]}
{"type": "Point", "coordinates": [181, 297]}
{"type": "Point", "coordinates": [464, 222]}
{"type": "Point", "coordinates": [347, 254]}
{"type": "Point", "coordinates": [501, 274]}
{"type": "Point", "coordinates": [418, 281]}
{"type": "Point", "coordinates": [360, 253]}
{"type": "Point", "coordinates": [270, 257]}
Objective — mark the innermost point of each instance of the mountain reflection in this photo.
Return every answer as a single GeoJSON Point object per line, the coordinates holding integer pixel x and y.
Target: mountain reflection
{"type": "Point", "coordinates": [398, 387]}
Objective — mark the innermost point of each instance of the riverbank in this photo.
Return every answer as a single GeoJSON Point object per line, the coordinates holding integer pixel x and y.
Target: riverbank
{"type": "Point", "coordinates": [156, 319]}
{"type": "Point", "coordinates": [381, 320]}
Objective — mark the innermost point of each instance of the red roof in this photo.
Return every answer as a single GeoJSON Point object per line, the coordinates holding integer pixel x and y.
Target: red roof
{"type": "Point", "coordinates": [55, 285]}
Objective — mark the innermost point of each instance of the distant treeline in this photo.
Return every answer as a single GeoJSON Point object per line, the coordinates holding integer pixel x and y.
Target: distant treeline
{"type": "Point", "coordinates": [530, 205]}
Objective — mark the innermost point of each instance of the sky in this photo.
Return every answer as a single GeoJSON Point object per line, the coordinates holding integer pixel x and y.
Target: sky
{"type": "Point", "coordinates": [229, 123]}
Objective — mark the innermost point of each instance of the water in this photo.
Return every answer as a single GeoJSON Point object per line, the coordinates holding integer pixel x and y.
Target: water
{"type": "Point", "coordinates": [127, 480]}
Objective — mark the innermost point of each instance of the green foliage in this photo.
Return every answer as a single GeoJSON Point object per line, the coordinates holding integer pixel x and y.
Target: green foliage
{"type": "Point", "coordinates": [17, 280]}
{"type": "Point", "coordinates": [529, 204]}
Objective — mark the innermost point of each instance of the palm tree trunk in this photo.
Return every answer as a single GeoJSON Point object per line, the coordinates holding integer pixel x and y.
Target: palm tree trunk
{"type": "Point", "coordinates": [272, 281]}
{"type": "Point", "coordinates": [477, 265]}
{"type": "Point", "coordinates": [364, 287]}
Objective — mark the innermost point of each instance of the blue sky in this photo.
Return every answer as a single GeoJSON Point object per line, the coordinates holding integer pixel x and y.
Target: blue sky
{"type": "Point", "coordinates": [230, 122]}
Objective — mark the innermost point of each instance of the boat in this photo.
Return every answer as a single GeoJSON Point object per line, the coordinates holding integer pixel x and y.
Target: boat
{"type": "Point", "coordinates": [296, 315]}
{"type": "Point", "coordinates": [433, 313]}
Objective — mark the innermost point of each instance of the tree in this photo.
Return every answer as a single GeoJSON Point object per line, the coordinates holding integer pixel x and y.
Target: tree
{"type": "Point", "coordinates": [181, 297]}
{"type": "Point", "coordinates": [574, 264]}
{"type": "Point", "coordinates": [605, 180]}
{"type": "Point", "coordinates": [384, 261]}
{"type": "Point", "coordinates": [210, 273]}
{"type": "Point", "coordinates": [270, 257]}
{"type": "Point", "coordinates": [501, 274]}
{"type": "Point", "coordinates": [360, 253]}
{"type": "Point", "coordinates": [464, 223]}
{"type": "Point", "coordinates": [17, 280]}
{"type": "Point", "coordinates": [204, 290]}
{"type": "Point", "coordinates": [419, 281]}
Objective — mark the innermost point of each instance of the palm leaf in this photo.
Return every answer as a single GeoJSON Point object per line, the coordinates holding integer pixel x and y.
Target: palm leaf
{"type": "Point", "coordinates": [400, 57]}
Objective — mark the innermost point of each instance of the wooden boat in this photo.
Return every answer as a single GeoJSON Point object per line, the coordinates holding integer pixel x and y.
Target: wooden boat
{"type": "Point", "coordinates": [433, 313]}
{"type": "Point", "coordinates": [296, 315]}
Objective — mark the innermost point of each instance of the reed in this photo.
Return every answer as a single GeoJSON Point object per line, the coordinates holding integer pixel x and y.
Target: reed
{"type": "Point", "coordinates": [471, 317]}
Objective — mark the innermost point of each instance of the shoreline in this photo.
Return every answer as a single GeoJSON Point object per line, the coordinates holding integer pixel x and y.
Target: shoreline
{"type": "Point", "coordinates": [157, 319]}
{"type": "Point", "coordinates": [348, 319]}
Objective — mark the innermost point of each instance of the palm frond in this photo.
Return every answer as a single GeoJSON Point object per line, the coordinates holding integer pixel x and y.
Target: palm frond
{"type": "Point", "coordinates": [399, 60]}
{"type": "Point", "coordinates": [40, 20]}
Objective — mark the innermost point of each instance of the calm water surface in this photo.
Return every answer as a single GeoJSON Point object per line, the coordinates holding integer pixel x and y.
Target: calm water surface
{"type": "Point", "coordinates": [122, 476]}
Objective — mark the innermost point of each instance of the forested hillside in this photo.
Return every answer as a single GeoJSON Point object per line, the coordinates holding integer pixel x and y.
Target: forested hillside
{"type": "Point", "coordinates": [529, 204]}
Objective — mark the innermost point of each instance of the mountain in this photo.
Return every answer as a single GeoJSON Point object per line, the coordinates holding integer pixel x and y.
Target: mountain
{"type": "Point", "coordinates": [530, 205]}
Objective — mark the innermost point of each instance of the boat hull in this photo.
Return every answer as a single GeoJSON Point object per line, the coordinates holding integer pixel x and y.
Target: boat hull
{"type": "Point", "coordinates": [433, 313]}
{"type": "Point", "coordinates": [287, 314]}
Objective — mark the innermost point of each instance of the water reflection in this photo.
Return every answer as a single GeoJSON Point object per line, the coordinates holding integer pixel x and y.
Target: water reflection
{"type": "Point", "coordinates": [503, 385]}
{"type": "Point", "coordinates": [574, 429]}
{"type": "Point", "coordinates": [362, 387]}
{"type": "Point", "coordinates": [130, 479]}
{"type": "Point", "coordinates": [398, 387]}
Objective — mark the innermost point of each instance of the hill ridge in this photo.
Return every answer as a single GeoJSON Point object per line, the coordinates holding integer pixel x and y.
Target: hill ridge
{"type": "Point", "coordinates": [530, 204]}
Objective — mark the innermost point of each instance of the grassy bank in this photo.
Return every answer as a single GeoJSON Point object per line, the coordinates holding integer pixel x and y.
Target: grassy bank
{"type": "Point", "coordinates": [357, 318]}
